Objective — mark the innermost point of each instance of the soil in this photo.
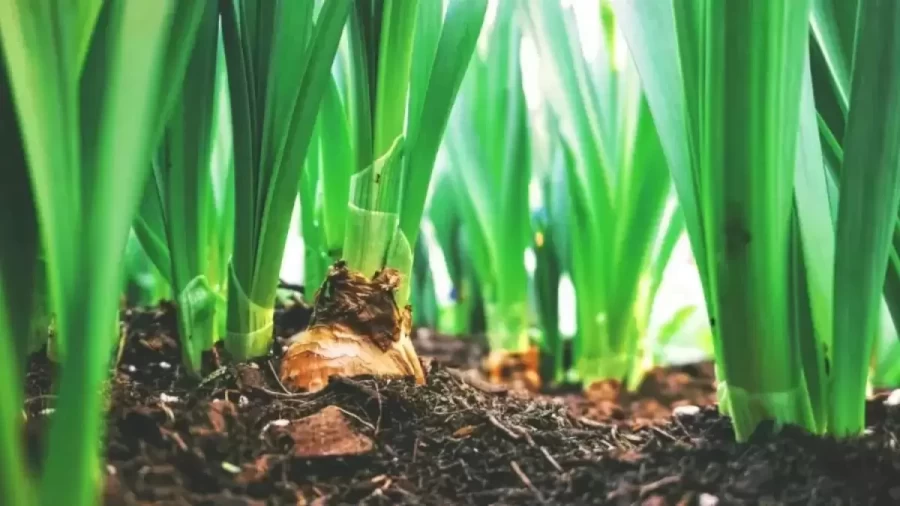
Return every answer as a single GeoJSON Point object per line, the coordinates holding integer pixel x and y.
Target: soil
{"type": "Point", "coordinates": [238, 438]}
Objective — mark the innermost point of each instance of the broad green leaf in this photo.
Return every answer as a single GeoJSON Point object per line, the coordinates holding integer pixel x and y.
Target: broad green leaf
{"type": "Point", "coordinates": [833, 24]}
{"type": "Point", "coordinates": [649, 29]}
{"type": "Point", "coordinates": [89, 126]}
{"type": "Point", "coordinates": [398, 33]}
{"type": "Point", "coordinates": [19, 291]}
{"type": "Point", "coordinates": [700, 62]}
{"type": "Point", "coordinates": [870, 199]}
{"type": "Point", "coordinates": [278, 66]}
{"type": "Point", "coordinates": [183, 175]}
{"type": "Point", "coordinates": [462, 25]}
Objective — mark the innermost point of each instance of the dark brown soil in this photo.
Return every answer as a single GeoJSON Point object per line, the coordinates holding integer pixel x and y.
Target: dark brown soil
{"type": "Point", "coordinates": [238, 438]}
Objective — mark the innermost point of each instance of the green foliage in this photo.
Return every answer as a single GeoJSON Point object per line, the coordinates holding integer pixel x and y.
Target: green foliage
{"type": "Point", "coordinates": [91, 86]}
{"type": "Point", "coordinates": [870, 200]}
{"type": "Point", "coordinates": [181, 221]}
{"type": "Point", "coordinates": [618, 189]}
{"type": "Point", "coordinates": [759, 191]}
{"type": "Point", "coordinates": [19, 287]}
{"type": "Point", "coordinates": [278, 59]}
{"type": "Point", "coordinates": [450, 260]}
{"type": "Point", "coordinates": [398, 76]}
{"type": "Point", "coordinates": [488, 149]}
{"type": "Point", "coordinates": [325, 189]}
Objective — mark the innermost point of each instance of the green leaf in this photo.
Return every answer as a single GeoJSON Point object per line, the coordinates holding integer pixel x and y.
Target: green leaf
{"type": "Point", "coordinates": [89, 128]}
{"type": "Point", "coordinates": [649, 29]}
{"type": "Point", "coordinates": [19, 290]}
{"type": "Point", "coordinates": [183, 178]}
{"type": "Point", "coordinates": [459, 35]}
{"type": "Point", "coordinates": [700, 62]}
{"type": "Point", "coordinates": [336, 168]}
{"type": "Point", "coordinates": [616, 172]}
{"type": "Point", "coordinates": [833, 24]}
{"type": "Point", "coordinates": [398, 30]}
{"type": "Point", "coordinates": [278, 65]}
{"type": "Point", "coordinates": [870, 198]}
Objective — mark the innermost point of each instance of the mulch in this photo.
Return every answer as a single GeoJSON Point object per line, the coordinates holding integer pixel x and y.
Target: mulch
{"type": "Point", "coordinates": [238, 438]}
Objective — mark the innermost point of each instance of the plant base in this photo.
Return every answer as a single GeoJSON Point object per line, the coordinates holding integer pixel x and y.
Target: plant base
{"type": "Point", "coordinates": [356, 330]}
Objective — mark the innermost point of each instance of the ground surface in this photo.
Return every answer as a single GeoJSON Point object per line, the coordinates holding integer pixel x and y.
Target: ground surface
{"type": "Point", "coordinates": [238, 439]}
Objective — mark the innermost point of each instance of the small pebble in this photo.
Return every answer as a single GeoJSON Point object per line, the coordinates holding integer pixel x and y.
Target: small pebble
{"type": "Point", "coordinates": [231, 468]}
{"type": "Point", "coordinates": [165, 365]}
{"type": "Point", "coordinates": [131, 368]}
{"type": "Point", "coordinates": [168, 398]}
{"type": "Point", "coordinates": [243, 401]}
{"type": "Point", "coordinates": [687, 410]}
{"type": "Point", "coordinates": [893, 399]}
{"type": "Point", "coordinates": [110, 470]}
{"type": "Point", "coordinates": [273, 423]}
{"type": "Point", "coordinates": [708, 500]}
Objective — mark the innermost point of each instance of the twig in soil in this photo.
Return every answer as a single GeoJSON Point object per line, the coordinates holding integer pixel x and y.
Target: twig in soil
{"type": "Point", "coordinates": [663, 433]}
{"type": "Point", "coordinates": [525, 480]}
{"type": "Point", "coordinates": [168, 411]}
{"type": "Point", "coordinates": [403, 491]}
{"type": "Point", "coordinates": [380, 490]}
{"type": "Point", "coordinates": [658, 484]}
{"type": "Point", "coordinates": [357, 418]}
{"type": "Point", "coordinates": [176, 437]}
{"type": "Point", "coordinates": [551, 460]}
{"type": "Point", "coordinates": [354, 384]}
{"type": "Point", "coordinates": [465, 469]}
{"type": "Point", "coordinates": [277, 379]}
{"type": "Point", "coordinates": [506, 430]}
{"type": "Point", "coordinates": [40, 398]}
{"type": "Point", "coordinates": [591, 423]}
{"type": "Point", "coordinates": [218, 373]}
{"type": "Point", "coordinates": [378, 422]}
{"type": "Point", "coordinates": [643, 490]}
{"type": "Point", "coordinates": [525, 433]}
{"type": "Point", "coordinates": [294, 395]}
{"type": "Point", "coordinates": [477, 383]}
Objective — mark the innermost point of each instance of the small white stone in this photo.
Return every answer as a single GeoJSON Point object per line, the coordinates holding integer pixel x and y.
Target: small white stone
{"type": "Point", "coordinates": [688, 410]}
{"type": "Point", "coordinates": [231, 468]}
{"type": "Point", "coordinates": [273, 423]}
{"type": "Point", "coordinates": [165, 365]}
{"type": "Point", "coordinates": [708, 500]}
{"type": "Point", "coordinates": [893, 399]}
{"type": "Point", "coordinates": [243, 401]}
{"type": "Point", "coordinates": [166, 398]}
{"type": "Point", "coordinates": [110, 470]}
{"type": "Point", "coordinates": [131, 368]}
